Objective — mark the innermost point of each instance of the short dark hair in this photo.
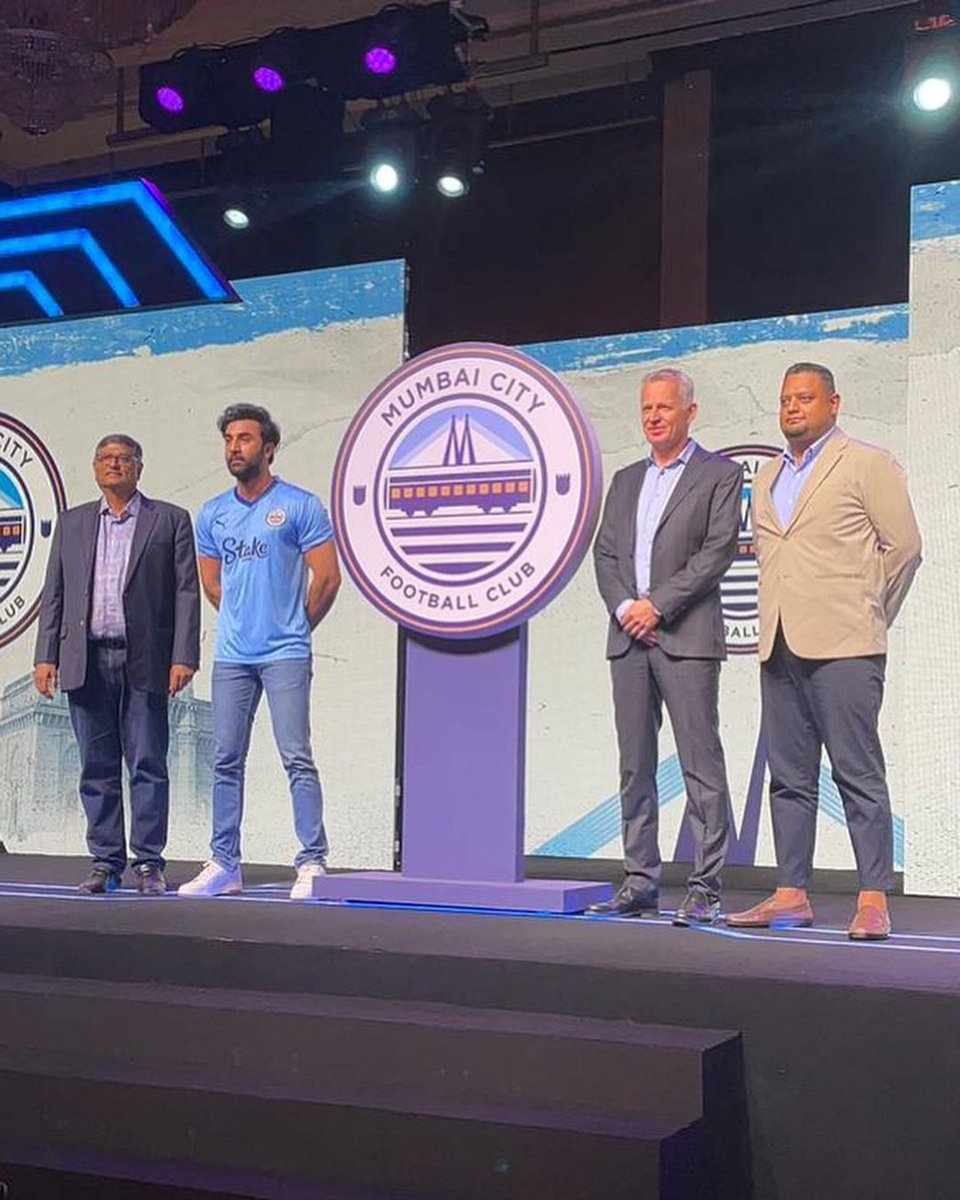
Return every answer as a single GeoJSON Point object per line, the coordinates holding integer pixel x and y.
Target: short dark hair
{"type": "Point", "coordinates": [815, 368]}
{"type": "Point", "coordinates": [269, 429]}
{"type": "Point", "coordinates": [120, 439]}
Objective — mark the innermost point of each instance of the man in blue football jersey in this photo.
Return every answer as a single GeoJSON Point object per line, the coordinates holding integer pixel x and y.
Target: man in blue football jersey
{"type": "Point", "coordinates": [268, 563]}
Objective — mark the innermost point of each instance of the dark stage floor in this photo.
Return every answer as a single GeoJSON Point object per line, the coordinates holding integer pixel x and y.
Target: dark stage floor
{"type": "Point", "coordinates": [849, 1051]}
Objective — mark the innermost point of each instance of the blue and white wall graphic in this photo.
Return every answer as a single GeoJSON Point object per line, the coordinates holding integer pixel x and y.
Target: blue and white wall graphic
{"type": "Point", "coordinates": [572, 780]}
{"type": "Point", "coordinates": [307, 346]}
{"type": "Point", "coordinates": [932, 757]}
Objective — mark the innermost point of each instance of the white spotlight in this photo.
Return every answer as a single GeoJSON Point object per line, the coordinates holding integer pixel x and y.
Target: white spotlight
{"type": "Point", "coordinates": [384, 178]}
{"type": "Point", "coordinates": [236, 218]}
{"type": "Point", "coordinates": [451, 185]}
{"type": "Point", "coordinates": [932, 93]}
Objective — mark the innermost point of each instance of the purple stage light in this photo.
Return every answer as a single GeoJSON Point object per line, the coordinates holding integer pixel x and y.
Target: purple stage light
{"type": "Point", "coordinates": [380, 60]}
{"type": "Point", "coordinates": [268, 79]}
{"type": "Point", "coordinates": [170, 99]}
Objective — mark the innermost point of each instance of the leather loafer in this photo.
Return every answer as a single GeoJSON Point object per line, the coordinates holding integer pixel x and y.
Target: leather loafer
{"type": "Point", "coordinates": [871, 924]}
{"type": "Point", "coordinates": [628, 902]}
{"type": "Point", "coordinates": [698, 908]}
{"type": "Point", "coordinates": [772, 914]}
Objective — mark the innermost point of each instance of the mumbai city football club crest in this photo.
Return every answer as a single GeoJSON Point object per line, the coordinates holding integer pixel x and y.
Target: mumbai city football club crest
{"type": "Point", "coordinates": [31, 498]}
{"type": "Point", "coordinates": [739, 587]}
{"type": "Point", "coordinates": [466, 491]}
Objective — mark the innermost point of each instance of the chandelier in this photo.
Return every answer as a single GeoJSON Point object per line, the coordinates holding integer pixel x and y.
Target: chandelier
{"type": "Point", "coordinates": [55, 59]}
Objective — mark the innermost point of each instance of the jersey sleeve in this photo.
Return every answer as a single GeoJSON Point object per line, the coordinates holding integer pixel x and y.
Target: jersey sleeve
{"type": "Point", "coordinates": [314, 525]}
{"type": "Point", "coordinates": [206, 546]}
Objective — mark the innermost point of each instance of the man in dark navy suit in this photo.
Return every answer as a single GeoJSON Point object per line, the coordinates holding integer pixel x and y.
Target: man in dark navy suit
{"type": "Point", "coordinates": [119, 631]}
{"type": "Point", "coordinates": [668, 535]}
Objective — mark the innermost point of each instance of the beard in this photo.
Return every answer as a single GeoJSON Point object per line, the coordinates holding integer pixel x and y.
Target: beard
{"type": "Point", "coordinates": [244, 470]}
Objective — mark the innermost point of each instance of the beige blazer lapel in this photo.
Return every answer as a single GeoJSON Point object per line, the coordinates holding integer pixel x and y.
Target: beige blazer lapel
{"type": "Point", "coordinates": [826, 460]}
{"type": "Point", "coordinates": [764, 510]}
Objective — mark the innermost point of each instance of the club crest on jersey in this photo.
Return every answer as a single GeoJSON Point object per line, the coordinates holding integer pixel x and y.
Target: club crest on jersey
{"type": "Point", "coordinates": [276, 517]}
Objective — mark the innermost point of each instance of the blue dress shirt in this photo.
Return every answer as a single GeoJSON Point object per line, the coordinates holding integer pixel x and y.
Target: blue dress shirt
{"type": "Point", "coordinates": [792, 476]}
{"type": "Point", "coordinates": [658, 487]}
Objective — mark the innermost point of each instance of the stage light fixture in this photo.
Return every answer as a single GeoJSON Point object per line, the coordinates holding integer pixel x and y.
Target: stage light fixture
{"type": "Point", "coordinates": [380, 60]}
{"type": "Point", "coordinates": [932, 64]}
{"type": "Point", "coordinates": [169, 99]}
{"type": "Point", "coordinates": [278, 61]}
{"type": "Point", "coordinates": [236, 218]}
{"type": "Point", "coordinates": [180, 93]}
{"type": "Point", "coordinates": [932, 93]}
{"type": "Point", "coordinates": [452, 185]}
{"type": "Point", "coordinates": [384, 177]}
{"type": "Point", "coordinates": [268, 79]}
{"type": "Point", "coordinates": [403, 48]}
{"type": "Point", "coordinates": [457, 141]}
{"type": "Point", "coordinates": [391, 162]}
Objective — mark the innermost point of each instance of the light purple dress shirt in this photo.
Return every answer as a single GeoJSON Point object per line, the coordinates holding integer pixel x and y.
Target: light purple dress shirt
{"type": "Point", "coordinates": [792, 476]}
{"type": "Point", "coordinates": [658, 486]}
{"type": "Point", "coordinates": [114, 541]}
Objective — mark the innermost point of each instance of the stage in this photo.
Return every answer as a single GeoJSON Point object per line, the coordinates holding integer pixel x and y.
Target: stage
{"type": "Point", "coordinates": [256, 1047]}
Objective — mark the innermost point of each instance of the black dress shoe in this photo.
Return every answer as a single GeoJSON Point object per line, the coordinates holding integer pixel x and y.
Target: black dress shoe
{"type": "Point", "coordinates": [628, 902]}
{"type": "Point", "coordinates": [100, 881]}
{"type": "Point", "coordinates": [150, 880]}
{"type": "Point", "coordinates": [698, 908]}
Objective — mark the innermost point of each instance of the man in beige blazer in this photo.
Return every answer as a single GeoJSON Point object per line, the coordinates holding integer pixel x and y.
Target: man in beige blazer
{"type": "Point", "coordinates": [837, 544]}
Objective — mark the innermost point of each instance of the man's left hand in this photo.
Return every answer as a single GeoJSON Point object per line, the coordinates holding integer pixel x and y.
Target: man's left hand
{"type": "Point", "coordinates": [640, 619]}
{"type": "Point", "coordinates": [180, 676]}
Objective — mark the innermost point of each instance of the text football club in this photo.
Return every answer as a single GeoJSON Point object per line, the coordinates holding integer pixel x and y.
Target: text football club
{"type": "Point", "coordinates": [466, 491]}
{"type": "Point", "coordinates": [31, 499]}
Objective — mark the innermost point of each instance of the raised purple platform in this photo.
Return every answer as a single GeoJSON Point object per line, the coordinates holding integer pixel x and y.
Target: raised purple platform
{"type": "Point", "coordinates": [524, 895]}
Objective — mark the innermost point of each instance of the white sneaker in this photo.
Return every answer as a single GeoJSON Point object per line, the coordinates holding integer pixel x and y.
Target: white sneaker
{"type": "Point", "coordinates": [303, 888]}
{"type": "Point", "coordinates": [213, 880]}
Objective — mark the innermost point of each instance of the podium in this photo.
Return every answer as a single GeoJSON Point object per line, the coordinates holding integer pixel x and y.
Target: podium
{"type": "Point", "coordinates": [462, 815]}
{"type": "Point", "coordinates": [465, 494]}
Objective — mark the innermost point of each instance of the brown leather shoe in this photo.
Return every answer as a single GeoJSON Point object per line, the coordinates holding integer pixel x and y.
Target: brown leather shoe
{"type": "Point", "coordinates": [771, 913]}
{"type": "Point", "coordinates": [871, 924]}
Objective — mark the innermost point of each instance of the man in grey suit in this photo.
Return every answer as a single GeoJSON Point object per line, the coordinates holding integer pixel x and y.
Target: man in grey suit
{"type": "Point", "coordinates": [668, 534]}
{"type": "Point", "coordinates": [119, 631]}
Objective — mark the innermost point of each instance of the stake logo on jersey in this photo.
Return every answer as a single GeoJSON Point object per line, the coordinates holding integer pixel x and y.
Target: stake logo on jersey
{"type": "Point", "coordinates": [466, 490]}
{"type": "Point", "coordinates": [31, 499]}
{"type": "Point", "coordinates": [739, 588]}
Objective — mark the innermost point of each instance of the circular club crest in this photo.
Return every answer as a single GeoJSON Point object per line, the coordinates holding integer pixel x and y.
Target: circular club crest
{"type": "Point", "coordinates": [31, 498]}
{"type": "Point", "coordinates": [466, 491]}
{"type": "Point", "coordinates": [739, 587]}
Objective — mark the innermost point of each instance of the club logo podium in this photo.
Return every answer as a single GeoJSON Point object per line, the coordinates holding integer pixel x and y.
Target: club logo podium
{"type": "Point", "coordinates": [465, 495]}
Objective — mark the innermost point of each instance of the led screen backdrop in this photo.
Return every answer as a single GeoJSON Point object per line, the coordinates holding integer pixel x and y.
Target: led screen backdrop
{"type": "Point", "coordinates": [309, 347]}
{"type": "Point", "coordinates": [572, 806]}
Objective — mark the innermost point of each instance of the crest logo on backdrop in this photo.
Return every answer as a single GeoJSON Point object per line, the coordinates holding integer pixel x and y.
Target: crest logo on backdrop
{"type": "Point", "coordinates": [466, 491]}
{"type": "Point", "coordinates": [739, 587]}
{"type": "Point", "coordinates": [31, 498]}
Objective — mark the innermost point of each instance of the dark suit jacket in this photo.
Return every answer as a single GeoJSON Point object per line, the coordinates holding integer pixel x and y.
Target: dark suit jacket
{"type": "Point", "coordinates": [694, 545]}
{"type": "Point", "coordinates": [161, 596]}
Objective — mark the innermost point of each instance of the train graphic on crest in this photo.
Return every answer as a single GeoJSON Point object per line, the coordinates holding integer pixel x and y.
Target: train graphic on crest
{"type": "Point", "coordinates": [459, 481]}
{"type": "Point", "coordinates": [11, 531]}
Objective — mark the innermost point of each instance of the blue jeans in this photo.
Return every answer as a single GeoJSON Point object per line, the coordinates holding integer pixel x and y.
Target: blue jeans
{"type": "Point", "coordinates": [237, 688]}
{"type": "Point", "coordinates": [114, 722]}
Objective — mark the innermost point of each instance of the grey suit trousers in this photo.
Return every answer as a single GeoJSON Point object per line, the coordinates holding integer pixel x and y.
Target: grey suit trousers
{"type": "Point", "coordinates": [809, 704]}
{"type": "Point", "coordinates": [644, 679]}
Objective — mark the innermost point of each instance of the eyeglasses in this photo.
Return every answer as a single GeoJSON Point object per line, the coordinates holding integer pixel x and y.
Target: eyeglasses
{"type": "Point", "coordinates": [122, 460]}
